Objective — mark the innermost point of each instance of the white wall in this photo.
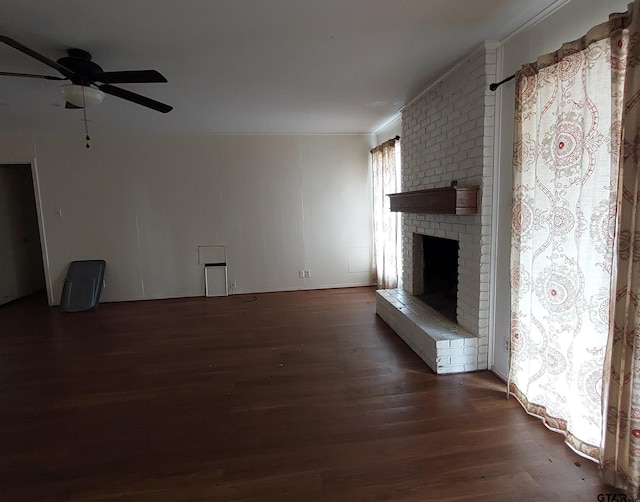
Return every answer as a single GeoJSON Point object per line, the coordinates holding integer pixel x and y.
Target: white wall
{"type": "Point", "coordinates": [144, 204]}
{"type": "Point", "coordinates": [568, 23]}
{"type": "Point", "coordinates": [392, 129]}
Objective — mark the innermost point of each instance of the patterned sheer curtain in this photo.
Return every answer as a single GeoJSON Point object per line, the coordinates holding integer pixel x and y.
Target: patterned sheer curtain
{"type": "Point", "coordinates": [562, 237]}
{"type": "Point", "coordinates": [386, 233]}
{"type": "Point", "coordinates": [620, 456]}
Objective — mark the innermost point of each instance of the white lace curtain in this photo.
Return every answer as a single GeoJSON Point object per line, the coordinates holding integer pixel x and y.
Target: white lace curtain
{"type": "Point", "coordinates": [564, 207]}
{"type": "Point", "coordinates": [575, 309]}
{"type": "Point", "coordinates": [386, 232]}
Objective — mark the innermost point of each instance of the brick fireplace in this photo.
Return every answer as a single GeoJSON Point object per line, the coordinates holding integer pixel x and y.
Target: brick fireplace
{"type": "Point", "coordinates": [447, 135]}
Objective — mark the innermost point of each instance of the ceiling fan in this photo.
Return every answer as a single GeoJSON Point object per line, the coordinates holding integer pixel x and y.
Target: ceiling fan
{"type": "Point", "coordinates": [89, 82]}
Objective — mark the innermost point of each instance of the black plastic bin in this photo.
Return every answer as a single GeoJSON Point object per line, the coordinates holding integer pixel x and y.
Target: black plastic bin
{"type": "Point", "coordinates": [82, 286]}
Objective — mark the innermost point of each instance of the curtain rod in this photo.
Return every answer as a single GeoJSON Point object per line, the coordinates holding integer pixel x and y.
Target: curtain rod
{"type": "Point", "coordinates": [396, 138]}
{"type": "Point", "coordinates": [495, 85]}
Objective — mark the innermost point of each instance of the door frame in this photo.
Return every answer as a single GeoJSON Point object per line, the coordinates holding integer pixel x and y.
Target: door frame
{"type": "Point", "coordinates": [32, 163]}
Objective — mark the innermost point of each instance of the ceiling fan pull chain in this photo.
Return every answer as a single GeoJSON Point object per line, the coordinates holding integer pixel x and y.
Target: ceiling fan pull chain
{"type": "Point", "coordinates": [86, 125]}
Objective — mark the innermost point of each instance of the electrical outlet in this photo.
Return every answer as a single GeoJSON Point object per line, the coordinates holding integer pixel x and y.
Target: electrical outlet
{"type": "Point", "coordinates": [507, 345]}
{"type": "Point", "coordinates": [307, 274]}
{"type": "Point", "coordinates": [233, 285]}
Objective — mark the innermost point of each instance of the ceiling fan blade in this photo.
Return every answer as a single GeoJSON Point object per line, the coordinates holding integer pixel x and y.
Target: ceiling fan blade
{"type": "Point", "coordinates": [29, 75]}
{"type": "Point", "coordinates": [70, 106]}
{"type": "Point", "coordinates": [130, 77]}
{"type": "Point", "coordinates": [36, 55]}
{"type": "Point", "coordinates": [135, 98]}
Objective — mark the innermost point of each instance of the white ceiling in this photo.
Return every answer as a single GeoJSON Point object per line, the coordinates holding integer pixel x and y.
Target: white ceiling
{"type": "Point", "coordinates": [247, 66]}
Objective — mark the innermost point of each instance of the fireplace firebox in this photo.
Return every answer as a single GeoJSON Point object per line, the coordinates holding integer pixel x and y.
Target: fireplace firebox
{"type": "Point", "coordinates": [438, 285]}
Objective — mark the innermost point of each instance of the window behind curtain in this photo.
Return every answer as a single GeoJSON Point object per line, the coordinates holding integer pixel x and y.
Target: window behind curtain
{"type": "Point", "coordinates": [386, 228]}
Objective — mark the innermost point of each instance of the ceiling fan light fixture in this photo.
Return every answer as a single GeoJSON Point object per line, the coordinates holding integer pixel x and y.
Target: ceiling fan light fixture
{"type": "Point", "coordinates": [82, 95]}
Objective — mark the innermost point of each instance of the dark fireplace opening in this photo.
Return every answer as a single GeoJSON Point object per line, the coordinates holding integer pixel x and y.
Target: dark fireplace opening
{"type": "Point", "coordinates": [440, 275]}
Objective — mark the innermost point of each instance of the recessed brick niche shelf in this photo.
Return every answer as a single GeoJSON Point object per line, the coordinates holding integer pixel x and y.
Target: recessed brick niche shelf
{"type": "Point", "coordinates": [448, 200]}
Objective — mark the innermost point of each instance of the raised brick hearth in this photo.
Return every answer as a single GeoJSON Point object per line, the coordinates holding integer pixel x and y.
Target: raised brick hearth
{"type": "Point", "coordinates": [441, 343]}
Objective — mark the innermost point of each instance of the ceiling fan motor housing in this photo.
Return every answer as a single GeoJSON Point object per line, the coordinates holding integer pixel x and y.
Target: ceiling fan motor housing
{"type": "Point", "coordinates": [79, 62]}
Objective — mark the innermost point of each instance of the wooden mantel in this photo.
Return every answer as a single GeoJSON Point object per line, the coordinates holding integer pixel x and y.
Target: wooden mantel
{"type": "Point", "coordinates": [449, 200]}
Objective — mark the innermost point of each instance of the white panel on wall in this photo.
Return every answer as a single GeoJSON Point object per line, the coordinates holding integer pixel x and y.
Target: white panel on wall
{"type": "Point", "coordinates": [263, 212]}
{"type": "Point", "coordinates": [16, 148]}
{"type": "Point", "coordinates": [359, 259]}
{"type": "Point", "coordinates": [211, 254]}
{"type": "Point", "coordinates": [337, 207]}
{"type": "Point", "coordinates": [178, 208]}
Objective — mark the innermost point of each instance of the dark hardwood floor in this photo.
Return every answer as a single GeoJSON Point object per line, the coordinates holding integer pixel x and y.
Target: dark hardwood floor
{"type": "Point", "coordinates": [297, 396]}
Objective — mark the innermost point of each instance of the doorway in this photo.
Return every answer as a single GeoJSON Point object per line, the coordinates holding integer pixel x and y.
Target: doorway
{"type": "Point", "coordinates": [21, 264]}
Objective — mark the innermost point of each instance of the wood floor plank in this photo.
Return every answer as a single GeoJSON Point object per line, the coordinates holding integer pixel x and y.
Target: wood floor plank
{"type": "Point", "coordinates": [293, 396]}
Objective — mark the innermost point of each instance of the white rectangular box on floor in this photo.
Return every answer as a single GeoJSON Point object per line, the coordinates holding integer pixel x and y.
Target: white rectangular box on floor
{"type": "Point", "coordinates": [215, 280]}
